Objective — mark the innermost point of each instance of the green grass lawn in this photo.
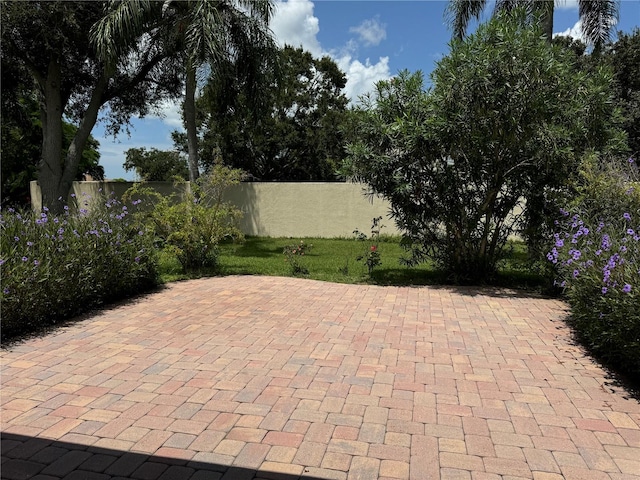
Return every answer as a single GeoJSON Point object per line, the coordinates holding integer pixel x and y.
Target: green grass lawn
{"type": "Point", "coordinates": [334, 260]}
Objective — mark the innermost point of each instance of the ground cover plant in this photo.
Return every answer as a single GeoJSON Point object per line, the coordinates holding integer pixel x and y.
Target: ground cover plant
{"type": "Point", "coordinates": [597, 253]}
{"type": "Point", "coordinates": [55, 267]}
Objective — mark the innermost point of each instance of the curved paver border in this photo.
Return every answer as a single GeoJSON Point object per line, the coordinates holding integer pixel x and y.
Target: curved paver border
{"type": "Point", "coordinates": [263, 377]}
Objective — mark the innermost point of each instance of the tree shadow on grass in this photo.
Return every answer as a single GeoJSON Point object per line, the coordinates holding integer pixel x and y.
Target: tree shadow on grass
{"type": "Point", "coordinates": [27, 457]}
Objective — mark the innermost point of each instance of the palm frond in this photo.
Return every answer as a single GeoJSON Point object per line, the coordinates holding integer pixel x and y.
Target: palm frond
{"type": "Point", "coordinates": [124, 22]}
{"type": "Point", "coordinates": [459, 13]}
{"type": "Point", "coordinates": [598, 20]}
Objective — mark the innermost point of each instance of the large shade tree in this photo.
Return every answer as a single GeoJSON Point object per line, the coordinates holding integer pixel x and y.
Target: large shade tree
{"type": "Point", "coordinates": [293, 134]}
{"type": "Point", "coordinates": [202, 32]}
{"type": "Point", "coordinates": [598, 17]}
{"type": "Point", "coordinates": [50, 40]}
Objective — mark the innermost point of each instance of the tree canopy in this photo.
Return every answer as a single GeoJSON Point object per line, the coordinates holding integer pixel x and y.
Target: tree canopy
{"type": "Point", "coordinates": [293, 132]}
{"type": "Point", "coordinates": [199, 32]}
{"type": "Point", "coordinates": [156, 165]}
{"type": "Point", "coordinates": [21, 137]}
{"type": "Point", "coordinates": [51, 41]}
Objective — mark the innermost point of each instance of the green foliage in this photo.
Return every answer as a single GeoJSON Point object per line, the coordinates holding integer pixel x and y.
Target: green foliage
{"type": "Point", "coordinates": [293, 253]}
{"type": "Point", "coordinates": [597, 255]}
{"type": "Point", "coordinates": [192, 227]}
{"type": "Point", "coordinates": [51, 41]}
{"type": "Point", "coordinates": [597, 17]}
{"type": "Point", "coordinates": [156, 165]}
{"type": "Point", "coordinates": [293, 133]}
{"type": "Point", "coordinates": [371, 255]}
{"type": "Point", "coordinates": [21, 143]}
{"type": "Point", "coordinates": [55, 267]}
{"type": "Point", "coordinates": [455, 161]}
{"type": "Point", "coordinates": [624, 57]}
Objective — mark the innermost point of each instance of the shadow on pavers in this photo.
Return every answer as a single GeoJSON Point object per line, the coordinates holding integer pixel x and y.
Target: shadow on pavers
{"type": "Point", "coordinates": [25, 457]}
{"type": "Point", "coordinates": [10, 337]}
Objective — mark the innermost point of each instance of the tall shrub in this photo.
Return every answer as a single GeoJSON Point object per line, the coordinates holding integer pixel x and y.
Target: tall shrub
{"type": "Point", "coordinates": [507, 119]}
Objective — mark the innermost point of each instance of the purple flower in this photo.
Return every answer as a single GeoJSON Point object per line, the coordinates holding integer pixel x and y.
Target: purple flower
{"type": "Point", "coordinates": [630, 160]}
{"type": "Point", "coordinates": [1, 261]}
{"type": "Point", "coordinates": [576, 273]}
{"type": "Point", "coordinates": [626, 216]}
{"type": "Point", "coordinates": [604, 290]}
{"type": "Point", "coordinates": [36, 263]}
{"type": "Point", "coordinates": [5, 291]}
{"type": "Point", "coordinates": [24, 259]}
{"type": "Point", "coordinates": [630, 231]}
{"type": "Point", "coordinates": [559, 243]}
{"type": "Point", "coordinates": [17, 239]}
{"type": "Point", "coordinates": [598, 252]}
{"type": "Point", "coordinates": [137, 259]}
{"type": "Point", "coordinates": [626, 288]}
{"type": "Point", "coordinates": [29, 244]}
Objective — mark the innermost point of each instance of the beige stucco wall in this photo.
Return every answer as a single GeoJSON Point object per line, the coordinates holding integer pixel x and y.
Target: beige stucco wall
{"type": "Point", "coordinates": [276, 209]}
{"type": "Point", "coordinates": [307, 209]}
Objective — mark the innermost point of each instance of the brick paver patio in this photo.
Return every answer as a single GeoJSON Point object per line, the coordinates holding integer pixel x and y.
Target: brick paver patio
{"type": "Point", "coordinates": [257, 377]}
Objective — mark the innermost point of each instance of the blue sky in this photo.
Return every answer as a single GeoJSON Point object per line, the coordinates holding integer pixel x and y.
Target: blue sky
{"type": "Point", "coordinates": [369, 40]}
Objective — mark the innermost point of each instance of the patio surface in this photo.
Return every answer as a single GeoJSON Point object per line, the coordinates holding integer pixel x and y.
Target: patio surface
{"type": "Point", "coordinates": [284, 378]}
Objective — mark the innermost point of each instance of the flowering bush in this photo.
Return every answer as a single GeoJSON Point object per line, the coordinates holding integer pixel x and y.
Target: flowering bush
{"type": "Point", "coordinates": [56, 267]}
{"type": "Point", "coordinates": [371, 256]}
{"type": "Point", "coordinates": [597, 254]}
{"type": "Point", "coordinates": [292, 254]}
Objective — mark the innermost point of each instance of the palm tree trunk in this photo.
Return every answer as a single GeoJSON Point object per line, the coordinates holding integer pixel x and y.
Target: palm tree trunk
{"type": "Point", "coordinates": [190, 121]}
{"type": "Point", "coordinates": [546, 18]}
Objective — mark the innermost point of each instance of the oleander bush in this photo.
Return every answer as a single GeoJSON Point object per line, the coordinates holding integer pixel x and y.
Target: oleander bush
{"type": "Point", "coordinates": [597, 253]}
{"type": "Point", "coordinates": [55, 267]}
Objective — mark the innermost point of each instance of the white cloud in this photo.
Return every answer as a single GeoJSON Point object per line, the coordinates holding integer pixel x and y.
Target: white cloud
{"type": "Point", "coordinates": [567, 4]}
{"type": "Point", "coordinates": [295, 24]}
{"type": "Point", "coordinates": [170, 112]}
{"type": "Point", "coordinates": [371, 32]}
{"type": "Point", "coordinates": [361, 77]}
{"type": "Point", "coordinates": [573, 32]}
